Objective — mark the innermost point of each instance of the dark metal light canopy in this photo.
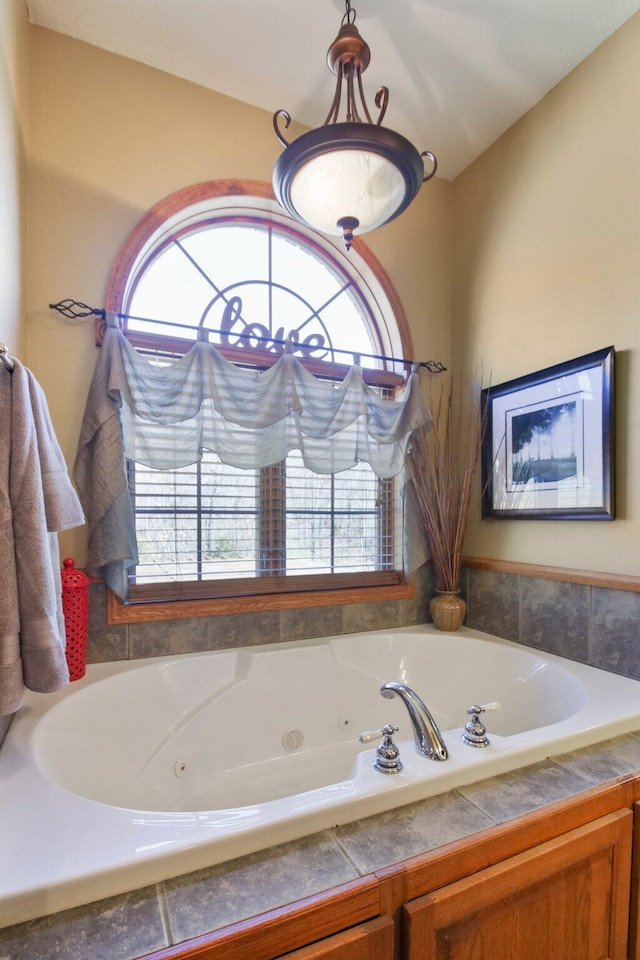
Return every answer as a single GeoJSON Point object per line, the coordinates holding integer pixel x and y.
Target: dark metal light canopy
{"type": "Point", "coordinates": [353, 174]}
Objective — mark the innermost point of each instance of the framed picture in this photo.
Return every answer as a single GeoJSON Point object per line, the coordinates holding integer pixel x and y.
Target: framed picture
{"type": "Point", "coordinates": [548, 446]}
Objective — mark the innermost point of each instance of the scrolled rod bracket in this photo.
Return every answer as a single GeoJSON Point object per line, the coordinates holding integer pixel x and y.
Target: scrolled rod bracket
{"type": "Point", "coordinates": [434, 162]}
{"type": "Point", "coordinates": [382, 102]}
{"type": "Point", "coordinates": [287, 120]}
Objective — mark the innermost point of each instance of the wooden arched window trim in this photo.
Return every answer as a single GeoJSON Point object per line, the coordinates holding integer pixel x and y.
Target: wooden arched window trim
{"type": "Point", "coordinates": [186, 197]}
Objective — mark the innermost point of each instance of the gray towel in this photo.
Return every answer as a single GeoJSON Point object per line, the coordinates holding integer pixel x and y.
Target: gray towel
{"type": "Point", "coordinates": [11, 685]}
{"type": "Point", "coordinates": [40, 502]}
{"type": "Point", "coordinates": [61, 504]}
{"type": "Point", "coordinates": [99, 473]}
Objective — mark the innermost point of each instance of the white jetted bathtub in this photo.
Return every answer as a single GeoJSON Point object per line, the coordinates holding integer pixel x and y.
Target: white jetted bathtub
{"type": "Point", "coordinates": [151, 768]}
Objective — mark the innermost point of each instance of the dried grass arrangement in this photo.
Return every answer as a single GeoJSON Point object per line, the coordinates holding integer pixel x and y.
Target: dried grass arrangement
{"type": "Point", "coordinates": [442, 464]}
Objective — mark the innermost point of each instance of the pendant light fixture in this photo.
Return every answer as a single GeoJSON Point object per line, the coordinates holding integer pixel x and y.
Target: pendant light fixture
{"type": "Point", "coordinates": [350, 174]}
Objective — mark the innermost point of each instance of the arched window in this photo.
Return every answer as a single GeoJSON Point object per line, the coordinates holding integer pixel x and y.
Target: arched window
{"type": "Point", "coordinates": [221, 261]}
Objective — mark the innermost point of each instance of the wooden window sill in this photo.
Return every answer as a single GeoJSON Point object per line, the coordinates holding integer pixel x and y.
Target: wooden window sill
{"type": "Point", "coordinates": [118, 612]}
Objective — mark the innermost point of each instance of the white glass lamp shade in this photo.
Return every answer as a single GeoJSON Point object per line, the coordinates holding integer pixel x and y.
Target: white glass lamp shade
{"type": "Point", "coordinates": [352, 183]}
{"type": "Point", "coordinates": [348, 170]}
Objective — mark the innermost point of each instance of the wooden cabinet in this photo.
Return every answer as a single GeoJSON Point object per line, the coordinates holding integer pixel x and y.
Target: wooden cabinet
{"type": "Point", "coordinates": [552, 885]}
{"type": "Point", "coordinates": [634, 911]}
{"type": "Point", "coordinates": [345, 923]}
{"type": "Point", "coordinates": [368, 941]}
{"type": "Point", "coordinates": [566, 899]}
{"type": "Point", "coordinates": [372, 940]}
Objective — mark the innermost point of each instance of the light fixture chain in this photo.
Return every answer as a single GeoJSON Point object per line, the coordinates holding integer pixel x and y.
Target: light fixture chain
{"type": "Point", "coordinates": [350, 15]}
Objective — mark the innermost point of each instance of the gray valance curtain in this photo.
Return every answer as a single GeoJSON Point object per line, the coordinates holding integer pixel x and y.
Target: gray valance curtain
{"type": "Point", "coordinates": [165, 416]}
{"type": "Point", "coordinates": [252, 419]}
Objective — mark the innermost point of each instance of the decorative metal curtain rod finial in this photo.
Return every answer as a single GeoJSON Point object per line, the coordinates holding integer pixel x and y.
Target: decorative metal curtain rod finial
{"type": "Point", "coordinates": [350, 174]}
{"type": "Point", "coordinates": [76, 310]}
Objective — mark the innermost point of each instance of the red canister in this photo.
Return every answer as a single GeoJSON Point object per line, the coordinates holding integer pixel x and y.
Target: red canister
{"type": "Point", "coordinates": [75, 606]}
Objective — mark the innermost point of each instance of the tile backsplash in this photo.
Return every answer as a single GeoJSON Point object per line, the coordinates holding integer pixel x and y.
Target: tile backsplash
{"type": "Point", "coordinates": [591, 624]}
{"type": "Point", "coordinates": [157, 639]}
{"type": "Point", "coordinates": [587, 623]}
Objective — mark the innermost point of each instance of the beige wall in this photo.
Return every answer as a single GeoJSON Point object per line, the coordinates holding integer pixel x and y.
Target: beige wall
{"type": "Point", "coordinates": [546, 225]}
{"type": "Point", "coordinates": [547, 267]}
{"type": "Point", "coordinates": [109, 138]}
{"type": "Point", "coordinates": [13, 126]}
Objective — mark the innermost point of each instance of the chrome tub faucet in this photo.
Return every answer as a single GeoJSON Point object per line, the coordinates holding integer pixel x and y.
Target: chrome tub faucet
{"type": "Point", "coordinates": [427, 736]}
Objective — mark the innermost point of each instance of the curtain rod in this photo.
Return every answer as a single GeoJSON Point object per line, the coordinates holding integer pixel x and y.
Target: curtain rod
{"type": "Point", "coordinates": [76, 310]}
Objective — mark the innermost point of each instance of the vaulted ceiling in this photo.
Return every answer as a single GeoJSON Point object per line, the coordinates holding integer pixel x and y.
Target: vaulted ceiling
{"type": "Point", "coordinates": [460, 72]}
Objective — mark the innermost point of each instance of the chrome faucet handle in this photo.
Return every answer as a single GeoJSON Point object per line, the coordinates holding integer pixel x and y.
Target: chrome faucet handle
{"type": "Point", "coordinates": [369, 735]}
{"type": "Point", "coordinates": [387, 755]}
{"type": "Point", "coordinates": [476, 708]}
{"type": "Point", "coordinates": [475, 733]}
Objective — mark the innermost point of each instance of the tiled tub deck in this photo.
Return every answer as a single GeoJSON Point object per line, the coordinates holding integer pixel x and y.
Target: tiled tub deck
{"type": "Point", "coordinates": [133, 924]}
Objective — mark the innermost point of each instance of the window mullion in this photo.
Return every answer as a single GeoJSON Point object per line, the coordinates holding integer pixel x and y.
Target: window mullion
{"type": "Point", "coordinates": [270, 276]}
{"type": "Point", "coordinates": [385, 524]}
{"type": "Point", "coordinates": [199, 520]}
{"type": "Point", "coordinates": [386, 517]}
{"type": "Point", "coordinates": [272, 557]}
{"type": "Point", "coordinates": [333, 523]}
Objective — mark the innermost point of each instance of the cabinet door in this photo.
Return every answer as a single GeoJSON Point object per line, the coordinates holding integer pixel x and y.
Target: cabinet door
{"type": "Point", "coordinates": [567, 899]}
{"type": "Point", "coordinates": [368, 941]}
{"type": "Point", "coordinates": [634, 922]}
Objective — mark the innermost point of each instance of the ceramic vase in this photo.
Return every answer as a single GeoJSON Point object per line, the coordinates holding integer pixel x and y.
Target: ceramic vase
{"type": "Point", "coordinates": [448, 610]}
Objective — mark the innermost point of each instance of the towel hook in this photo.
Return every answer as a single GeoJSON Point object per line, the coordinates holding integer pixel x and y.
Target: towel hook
{"type": "Point", "coordinates": [5, 358]}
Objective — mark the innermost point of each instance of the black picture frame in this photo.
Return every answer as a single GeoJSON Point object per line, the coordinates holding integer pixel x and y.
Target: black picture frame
{"type": "Point", "coordinates": [548, 447]}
